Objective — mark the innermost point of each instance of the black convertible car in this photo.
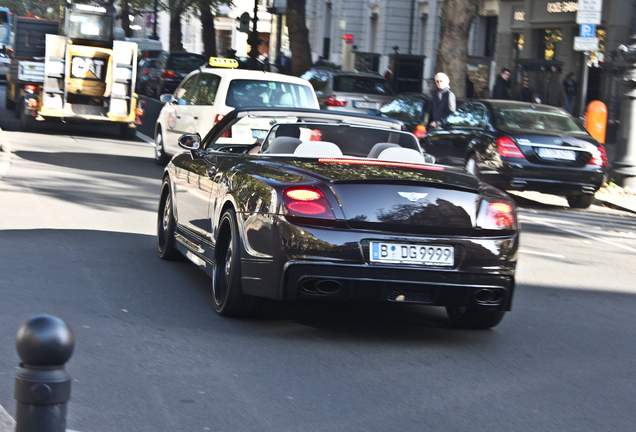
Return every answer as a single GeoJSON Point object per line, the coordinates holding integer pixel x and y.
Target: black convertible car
{"type": "Point", "coordinates": [331, 206]}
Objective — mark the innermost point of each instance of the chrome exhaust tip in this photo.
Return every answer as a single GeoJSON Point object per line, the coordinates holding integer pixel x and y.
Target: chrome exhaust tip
{"type": "Point", "coordinates": [488, 296]}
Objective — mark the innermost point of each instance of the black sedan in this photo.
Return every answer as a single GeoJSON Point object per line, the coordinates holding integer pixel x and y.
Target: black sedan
{"type": "Point", "coordinates": [522, 146]}
{"type": "Point", "coordinates": [332, 206]}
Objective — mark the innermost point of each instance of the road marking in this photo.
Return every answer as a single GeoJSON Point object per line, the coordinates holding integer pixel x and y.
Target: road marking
{"type": "Point", "coordinates": [525, 251]}
{"type": "Point", "coordinates": [580, 234]}
{"type": "Point", "coordinates": [145, 138]}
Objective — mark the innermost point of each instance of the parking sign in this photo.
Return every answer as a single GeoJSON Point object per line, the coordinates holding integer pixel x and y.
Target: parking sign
{"type": "Point", "coordinates": [587, 31]}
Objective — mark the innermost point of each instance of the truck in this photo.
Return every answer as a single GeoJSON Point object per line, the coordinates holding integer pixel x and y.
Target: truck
{"type": "Point", "coordinates": [73, 70]}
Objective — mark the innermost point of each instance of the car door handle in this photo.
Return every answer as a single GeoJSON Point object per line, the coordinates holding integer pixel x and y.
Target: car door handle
{"type": "Point", "coordinates": [196, 118]}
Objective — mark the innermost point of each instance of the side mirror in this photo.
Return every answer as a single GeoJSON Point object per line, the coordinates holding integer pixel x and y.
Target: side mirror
{"type": "Point", "coordinates": [190, 141]}
{"type": "Point", "coordinates": [167, 97]}
{"type": "Point", "coordinates": [429, 158]}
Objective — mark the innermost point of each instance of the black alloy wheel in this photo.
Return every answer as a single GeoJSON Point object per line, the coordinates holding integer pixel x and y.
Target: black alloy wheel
{"type": "Point", "coordinates": [476, 319]}
{"type": "Point", "coordinates": [580, 201]}
{"type": "Point", "coordinates": [229, 299]}
{"type": "Point", "coordinates": [166, 224]}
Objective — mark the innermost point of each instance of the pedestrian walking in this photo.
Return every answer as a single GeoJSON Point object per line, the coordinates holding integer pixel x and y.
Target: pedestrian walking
{"type": "Point", "coordinates": [501, 90]}
{"type": "Point", "coordinates": [320, 61]}
{"type": "Point", "coordinates": [569, 92]}
{"type": "Point", "coordinates": [444, 101]}
{"type": "Point", "coordinates": [524, 92]}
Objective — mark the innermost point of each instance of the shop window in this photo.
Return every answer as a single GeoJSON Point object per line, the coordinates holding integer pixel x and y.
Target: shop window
{"type": "Point", "coordinates": [550, 39]}
{"type": "Point", "coordinates": [517, 45]}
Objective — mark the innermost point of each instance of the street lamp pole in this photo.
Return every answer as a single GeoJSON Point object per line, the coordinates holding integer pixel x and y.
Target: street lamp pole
{"type": "Point", "coordinates": [624, 167]}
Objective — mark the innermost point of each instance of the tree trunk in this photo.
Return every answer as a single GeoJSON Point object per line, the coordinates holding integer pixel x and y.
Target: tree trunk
{"type": "Point", "coordinates": [457, 16]}
{"type": "Point", "coordinates": [299, 40]}
{"type": "Point", "coordinates": [175, 30]}
{"type": "Point", "coordinates": [209, 32]}
{"type": "Point", "coordinates": [125, 22]}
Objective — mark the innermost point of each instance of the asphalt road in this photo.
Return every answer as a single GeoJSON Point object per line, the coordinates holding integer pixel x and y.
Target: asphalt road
{"type": "Point", "coordinates": [77, 242]}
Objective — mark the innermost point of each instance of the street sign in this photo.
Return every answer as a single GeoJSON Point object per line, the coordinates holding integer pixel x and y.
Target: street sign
{"type": "Point", "coordinates": [589, 12]}
{"type": "Point", "coordinates": [585, 43]}
{"type": "Point", "coordinates": [587, 31]}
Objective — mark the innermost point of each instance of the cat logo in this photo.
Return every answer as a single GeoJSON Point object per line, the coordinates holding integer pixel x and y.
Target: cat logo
{"type": "Point", "coordinates": [88, 68]}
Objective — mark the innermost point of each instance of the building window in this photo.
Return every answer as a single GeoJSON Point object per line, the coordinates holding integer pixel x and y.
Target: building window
{"type": "Point", "coordinates": [517, 45]}
{"type": "Point", "coordinates": [550, 39]}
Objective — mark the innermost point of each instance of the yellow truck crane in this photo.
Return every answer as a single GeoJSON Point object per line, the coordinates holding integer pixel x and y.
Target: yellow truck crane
{"type": "Point", "coordinates": [75, 73]}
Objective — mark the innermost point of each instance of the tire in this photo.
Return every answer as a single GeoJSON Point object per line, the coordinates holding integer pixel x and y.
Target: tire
{"type": "Point", "coordinates": [126, 132]}
{"type": "Point", "coordinates": [166, 224]}
{"type": "Point", "coordinates": [8, 103]}
{"type": "Point", "coordinates": [160, 155]}
{"type": "Point", "coordinates": [580, 201]}
{"type": "Point", "coordinates": [476, 319]}
{"type": "Point", "coordinates": [229, 299]}
{"type": "Point", "coordinates": [471, 166]}
{"type": "Point", "coordinates": [148, 91]}
{"type": "Point", "coordinates": [27, 122]}
{"type": "Point", "coordinates": [158, 91]}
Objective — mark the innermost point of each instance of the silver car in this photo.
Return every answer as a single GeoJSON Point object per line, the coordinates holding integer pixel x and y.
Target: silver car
{"type": "Point", "coordinates": [360, 92]}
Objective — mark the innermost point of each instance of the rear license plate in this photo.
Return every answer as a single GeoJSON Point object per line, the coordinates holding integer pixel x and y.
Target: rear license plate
{"type": "Point", "coordinates": [550, 153]}
{"type": "Point", "coordinates": [259, 134]}
{"type": "Point", "coordinates": [365, 105]}
{"type": "Point", "coordinates": [430, 255]}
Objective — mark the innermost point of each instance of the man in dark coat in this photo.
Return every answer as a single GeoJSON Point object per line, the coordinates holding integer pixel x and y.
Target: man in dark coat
{"type": "Point", "coordinates": [444, 101]}
{"type": "Point", "coordinates": [501, 90]}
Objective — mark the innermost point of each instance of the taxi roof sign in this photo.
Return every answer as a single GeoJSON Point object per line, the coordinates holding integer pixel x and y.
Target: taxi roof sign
{"type": "Point", "coordinates": [223, 62]}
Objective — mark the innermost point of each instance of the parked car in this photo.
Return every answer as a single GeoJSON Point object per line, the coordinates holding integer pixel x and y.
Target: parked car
{"type": "Point", "coordinates": [206, 95]}
{"type": "Point", "coordinates": [344, 208]}
{"type": "Point", "coordinates": [522, 146]}
{"type": "Point", "coordinates": [410, 108]}
{"type": "Point", "coordinates": [349, 91]}
{"type": "Point", "coordinates": [170, 69]}
{"type": "Point", "coordinates": [143, 74]}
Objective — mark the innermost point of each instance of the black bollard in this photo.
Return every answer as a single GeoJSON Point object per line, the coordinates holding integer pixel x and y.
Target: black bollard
{"type": "Point", "coordinates": [43, 387]}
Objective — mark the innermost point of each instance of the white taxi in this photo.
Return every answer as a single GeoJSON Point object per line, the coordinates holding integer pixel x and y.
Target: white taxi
{"type": "Point", "coordinates": [206, 95]}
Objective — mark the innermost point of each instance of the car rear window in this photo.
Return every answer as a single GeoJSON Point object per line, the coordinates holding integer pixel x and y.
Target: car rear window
{"type": "Point", "coordinates": [404, 109]}
{"type": "Point", "coordinates": [256, 93]}
{"type": "Point", "coordinates": [185, 62]}
{"type": "Point", "coordinates": [537, 121]}
{"type": "Point", "coordinates": [366, 85]}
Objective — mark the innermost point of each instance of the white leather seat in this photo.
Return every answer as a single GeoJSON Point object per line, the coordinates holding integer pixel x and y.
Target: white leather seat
{"type": "Point", "coordinates": [318, 149]}
{"type": "Point", "coordinates": [401, 154]}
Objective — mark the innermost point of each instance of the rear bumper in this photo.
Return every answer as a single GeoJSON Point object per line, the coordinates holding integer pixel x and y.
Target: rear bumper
{"type": "Point", "coordinates": [557, 181]}
{"type": "Point", "coordinates": [305, 280]}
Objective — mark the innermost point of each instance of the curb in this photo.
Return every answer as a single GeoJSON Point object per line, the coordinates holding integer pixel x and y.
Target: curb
{"type": "Point", "coordinates": [612, 205]}
{"type": "Point", "coordinates": [5, 155]}
{"type": "Point", "coordinates": [7, 424]}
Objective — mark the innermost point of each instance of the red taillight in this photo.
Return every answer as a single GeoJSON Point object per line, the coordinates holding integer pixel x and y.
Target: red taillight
{"type": "Point", "coordinates": [139, 112]}
{"type": "Point", "coordinates": [334, 101]}
{"type": "Point", "coordinates": [507, 148]}
{"type": "Point", "coordinates": [308, 205]}
{"type": "Point", "coordinates": [420, 131]}
{"type": "Point", "coordinates": [30, 88]}
{"type": "Point", "coordinates": [315, 135]}
{"type": "Point", "coordinates": [495, 217]}
{"type": "Point", "coordinates": [218, 118]}
{"type": "Point", "coordinates": [145, 72]}
{"type": "Point", "coordinates": [599, 157]}
{"type": "Point", "coordinates": [168, 74]}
